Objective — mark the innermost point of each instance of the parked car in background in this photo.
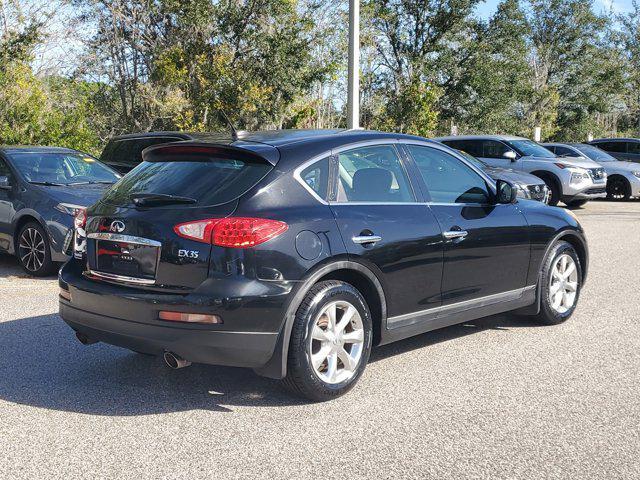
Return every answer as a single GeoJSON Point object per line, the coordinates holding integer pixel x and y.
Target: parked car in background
{"type": "Point", "coordinates": [41, 189]}
{"type": "Point", "coordinates": [572, 182]}
{"type": "Point", "coordinates": [124, 152]}
{"type": "Point", "coordinates": [529, 186]}
{"type": "Point", "coordinates": [624, 149]}
{"type": "Point", "coordinates": [623, 178]}
{"type": "Point", "coordinates": [294, 252]}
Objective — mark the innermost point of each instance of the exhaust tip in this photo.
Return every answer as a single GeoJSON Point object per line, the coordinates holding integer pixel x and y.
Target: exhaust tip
{"type": "Point", "coordinates": [83, 339]}
{"type": "Point", "coordinates": [175, 361]}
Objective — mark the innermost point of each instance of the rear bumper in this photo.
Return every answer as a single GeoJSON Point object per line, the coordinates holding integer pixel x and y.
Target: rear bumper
{"type": "Point", "coordinates": [128, 317]}
{"type": "Point", "coordinates": [238, 349]}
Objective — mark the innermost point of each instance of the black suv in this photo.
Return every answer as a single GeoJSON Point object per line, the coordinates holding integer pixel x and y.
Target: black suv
{"type": "Point", "coordinates": [41, 189]}
{"type": "Point", "coordinates": [293, 252]}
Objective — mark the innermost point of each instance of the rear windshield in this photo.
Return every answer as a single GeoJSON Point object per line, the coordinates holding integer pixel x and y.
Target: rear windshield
{"type": "Point", "coordinates": [209, 182]}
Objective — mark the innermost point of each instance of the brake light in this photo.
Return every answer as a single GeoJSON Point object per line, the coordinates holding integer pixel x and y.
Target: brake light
{"type": "Point", "coordinates": [233, 232]}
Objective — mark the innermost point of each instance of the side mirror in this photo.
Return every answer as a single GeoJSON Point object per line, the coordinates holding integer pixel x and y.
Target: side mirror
{"type": "Point", "coordinates": [511, 155]}
{"type": "Point", "coordinates": [5, 183]}
{"type": "Point", "coordinates": [505, 192]}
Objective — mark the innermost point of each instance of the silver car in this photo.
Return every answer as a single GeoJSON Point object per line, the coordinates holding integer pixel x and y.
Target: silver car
{"type": "Point", "coordinates": [625, 149]}
{"type": "Point", "coordinates": [571, 181]}
{"type": "Point", "coordinates": [623, 178]}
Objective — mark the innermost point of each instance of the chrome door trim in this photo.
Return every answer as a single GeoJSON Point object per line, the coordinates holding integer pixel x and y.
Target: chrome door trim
{"type": "Point", "coordinates": [116, 237]}
{"type": "Point", "coordinates": [453, 234]}
{"type": "Point", "coordinates": [364, 239]}
{"type": "Point", "coordinates": [122, 278]}
{"type": "Point", "coordinates": [437, 312]}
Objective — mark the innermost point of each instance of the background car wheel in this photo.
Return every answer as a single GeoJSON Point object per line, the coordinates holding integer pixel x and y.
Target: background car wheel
{"type": "Point", "coordinates": [560, 284]}
{"type": "Point", "coordinates": [33, 250]}
{"type": "Point", "coordinates": [555, 193]}
{"type": "Point", "coordinates": [330, 342]}
{"type": "Point", "coordinates": [618, 189]}
{"type": "Point", "coordinates": [576, 203]}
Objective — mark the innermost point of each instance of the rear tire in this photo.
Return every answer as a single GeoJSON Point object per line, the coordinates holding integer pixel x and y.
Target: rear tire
{"type": "Point", "coordinates": [576, 203]}
{"type": "Point", "coordinates": [618, 189]}
{"type": "Point", "coordinates": [560, 286]}
{"type": "Point", "coordinates": [330, 342]}
{"type": "Point", "coordinates": [34, 251]}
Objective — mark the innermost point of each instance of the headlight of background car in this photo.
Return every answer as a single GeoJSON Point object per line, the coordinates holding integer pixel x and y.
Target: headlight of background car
{"type": "Point", "coordinates": [68, 208]}
{"type": "Point", "coordinates": [578, 175]}
{"type": "Point", "coordinates": [637, 174]}
{"type": "Point", "coordinates": [522, 191]}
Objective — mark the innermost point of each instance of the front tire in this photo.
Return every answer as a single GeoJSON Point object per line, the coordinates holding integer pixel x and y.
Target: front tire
{"type": "Point", "coordinates": [618, 189]}
{"type": "Point", "coordinates": [561, 282]}
{"type": "Point", "coordinates": [330, 342]}
{"type": "Point", "coordinates": [34, 251]}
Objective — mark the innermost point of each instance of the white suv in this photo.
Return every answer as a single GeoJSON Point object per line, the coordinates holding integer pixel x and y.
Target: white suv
{"type": "Point", "coordinates": [571, 181]}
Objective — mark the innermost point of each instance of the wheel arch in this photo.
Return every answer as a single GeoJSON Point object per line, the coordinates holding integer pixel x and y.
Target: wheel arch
{"type": "Point", "coordinates": [346, 270]}
{"type": "Point", "coordinates": [546, 174]}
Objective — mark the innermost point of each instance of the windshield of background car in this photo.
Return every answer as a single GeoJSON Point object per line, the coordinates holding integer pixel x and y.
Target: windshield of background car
{"type": "Point", "coordinates": [594, 153]}
{"type": "Point", "coordinates": [473, 160]}
{"type": "Point", "coordinates": [211, 181]}
{"type": "Point", "coordinates": [530, 148]}
{"type": "Point", "coordinates": [62, 168]}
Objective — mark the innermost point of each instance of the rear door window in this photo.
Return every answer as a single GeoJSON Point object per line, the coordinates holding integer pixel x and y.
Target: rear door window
{"type": "Point", "coordinates": [633, 148]}
{"type": "Point", "coordinates": [493, 149]}
{"type": "Point", "coordinates": [617, 147]}
{"type": "Point", "coordinates": [373, 174]}
{"type": "Point", "coordinates": [212, 181]}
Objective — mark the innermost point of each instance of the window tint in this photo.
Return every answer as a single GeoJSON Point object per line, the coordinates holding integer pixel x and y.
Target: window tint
{"type": "Point", "coordinates": [617, 147]}
{"type": "Point", "coordinates": [372, 174]}
{"type": "Point", "coordinates": [564, 152]}
{"type": "Point", "coordinates": [472, 147]}
{"type": "Point", "coordinates": [494, 149]}
{"type": "Point", "coordinates": [633, 148]}
{"type": "Point", "coordinates": [129, 151]}
{"type": "Point", "coordinates": [4, 168]}
{"type": "Point", "coordinates": [448, 179]}
{"type": "Point", "coordinates": [316, 176]}
{"type": "Point", "coordinates": [211, 181]}
{"type": "Point", "coordinates": [528, 147]}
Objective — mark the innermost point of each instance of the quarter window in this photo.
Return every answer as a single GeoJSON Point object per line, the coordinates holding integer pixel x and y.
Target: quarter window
{"type": "Point", "coordinates": [448, 179]}
{"type": "Point", "coordinates": [316, 177]}
{"type": "Point", "coordinates": [633, 148]}
{"type": "Point", "coordinates": [372, 174]}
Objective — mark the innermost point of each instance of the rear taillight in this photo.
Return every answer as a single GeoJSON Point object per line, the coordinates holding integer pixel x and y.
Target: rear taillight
{"type": "Point", "coordinates": [233, 232]}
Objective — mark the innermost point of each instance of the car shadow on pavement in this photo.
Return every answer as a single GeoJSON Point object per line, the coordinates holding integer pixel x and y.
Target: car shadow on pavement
{"type": "Point", "coordinates": [44, 366]}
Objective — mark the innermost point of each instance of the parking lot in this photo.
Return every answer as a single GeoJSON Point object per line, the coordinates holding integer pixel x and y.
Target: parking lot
{"type": "Point", "coordinates": [498, 397]}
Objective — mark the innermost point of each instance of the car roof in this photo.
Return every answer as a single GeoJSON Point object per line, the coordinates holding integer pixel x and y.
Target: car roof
{"type": "Point", "coordinates": [294, 146]}
{"type": "Point", "coordinates": [480, 137]}
{"type": "Point", "coordinates": [617, 139]}
{"type": "Point", "coordinates": [35, 149]}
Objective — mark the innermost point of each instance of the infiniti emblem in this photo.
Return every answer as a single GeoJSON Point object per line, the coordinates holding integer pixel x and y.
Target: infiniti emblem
{"type": "Point", "coordinates": [117, 226]}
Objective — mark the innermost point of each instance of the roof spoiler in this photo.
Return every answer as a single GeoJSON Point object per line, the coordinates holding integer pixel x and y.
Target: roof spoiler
{"type": "Point", "coordinates": [190, 151]}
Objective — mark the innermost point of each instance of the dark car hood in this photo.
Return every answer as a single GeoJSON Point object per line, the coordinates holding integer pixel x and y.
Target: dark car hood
{"type": "Point", "coordinates": [512, 176]}
{"type": "Point", "coordinates": [82, 195]}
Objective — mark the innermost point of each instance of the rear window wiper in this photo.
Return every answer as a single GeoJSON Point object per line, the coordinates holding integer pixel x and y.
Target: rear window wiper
{"type": "Point", "coordinates": [49, 184]}
{"type": "Point", "coordinates": [150, 199]}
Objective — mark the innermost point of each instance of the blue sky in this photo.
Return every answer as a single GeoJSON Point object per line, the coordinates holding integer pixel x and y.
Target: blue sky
{"type": "Point", "coordinates": [619, 6]}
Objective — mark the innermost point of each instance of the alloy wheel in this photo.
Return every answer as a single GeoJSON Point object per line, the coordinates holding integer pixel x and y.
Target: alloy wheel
{"type": "Point", "coordinates": [617, 190]}
{"type": "Point", "coordinates": [563, 287]}
{"type": "Point", "coordinates": [32, 249]}
{"type": "Point", "coordinates": [336, 342]}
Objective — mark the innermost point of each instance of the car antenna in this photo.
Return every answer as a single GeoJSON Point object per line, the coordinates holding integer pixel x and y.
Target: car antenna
{"type": "Point", "coordinates": [234, 132]}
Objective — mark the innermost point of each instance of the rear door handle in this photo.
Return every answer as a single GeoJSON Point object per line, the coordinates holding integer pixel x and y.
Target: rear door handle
{"type": "Point", "coordinates": [453, 234]}
{"type": "Point", "coordinates": [363, 239]}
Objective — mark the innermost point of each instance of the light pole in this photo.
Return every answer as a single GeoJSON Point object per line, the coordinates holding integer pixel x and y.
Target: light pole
{"type": "Point", "coordinates": [353, 77]}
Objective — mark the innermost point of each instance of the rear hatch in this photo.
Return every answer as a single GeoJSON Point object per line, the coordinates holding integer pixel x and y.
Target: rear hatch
{"type": "Point", "coordinates": [133, 234]}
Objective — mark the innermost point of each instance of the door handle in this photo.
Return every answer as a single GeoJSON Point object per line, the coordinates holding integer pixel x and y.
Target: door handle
{"type": "Point", "coordinates": [364, 239]}
{"type": "Point", "coordinates": [453, 234]}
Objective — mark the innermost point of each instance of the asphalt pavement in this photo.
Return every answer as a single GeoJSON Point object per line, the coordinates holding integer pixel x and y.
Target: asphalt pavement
{"type": "Point", "coordinates": [499, 397]}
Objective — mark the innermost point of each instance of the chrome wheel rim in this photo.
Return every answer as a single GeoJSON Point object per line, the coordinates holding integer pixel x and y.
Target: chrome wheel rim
{"type": "Point", "coordinates": [336, 342]}
{"type": "Point", "coordinates": [32, 249]}
{"type": "Point", "coordinates": [563, 287]}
